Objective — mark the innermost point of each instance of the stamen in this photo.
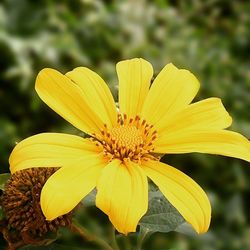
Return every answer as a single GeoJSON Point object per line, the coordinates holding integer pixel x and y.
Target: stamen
{"type": "Point", "coordinates": [131, 140]}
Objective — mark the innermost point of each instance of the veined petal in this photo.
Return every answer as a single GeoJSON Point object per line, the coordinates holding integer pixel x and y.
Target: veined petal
{"type": "Point", "coordinates": [172, 90]}
{"type": "Point", "coordinates": [67, 186]}
{"type": "Point", "coordinates": [182, 192]}
{"type": "Point", "coordinates": [206, 114]}
{"type": "Point", "coordinates": [96, 93]}
{"type": "Point", "coordinates": [122, 193]}
{"type": "Point", "coordinates": [66, 98]}
{"type": "Point", "coordinates": [134, 81]}
{"type": "Point", "coordinates": [222, 142]}
{"type": "Point", "coordinates": [50, 150]}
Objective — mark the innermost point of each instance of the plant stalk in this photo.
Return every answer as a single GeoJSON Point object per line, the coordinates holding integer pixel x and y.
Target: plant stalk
{"type": "Point", "coordinates": [86, 235]}
{"type": "Point", "coordinates": [141, 238]}
{"type": "Point", "coordinates": [113, 239]}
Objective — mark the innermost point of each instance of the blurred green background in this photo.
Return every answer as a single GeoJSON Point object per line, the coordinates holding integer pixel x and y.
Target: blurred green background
{"type": "Point", "coordinates": [210, 38]}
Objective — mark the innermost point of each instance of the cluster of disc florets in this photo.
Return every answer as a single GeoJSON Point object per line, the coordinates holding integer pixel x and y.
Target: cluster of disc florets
{"type": "Point", "coordinates": [21, 204]}
{"type": "Point", "coordinates": [132, 139]}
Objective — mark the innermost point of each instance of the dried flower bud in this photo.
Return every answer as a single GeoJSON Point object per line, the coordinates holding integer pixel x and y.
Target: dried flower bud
{"type": "Point", "coordinates": [20, 201]}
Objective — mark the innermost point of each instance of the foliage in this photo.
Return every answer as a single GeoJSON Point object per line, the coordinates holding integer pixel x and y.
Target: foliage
{"type": "Point", "coordinates": [210, 38]}
{"type": "Point", "coordinates": [3, 179]}
{"type": "Point", "coordinates": [161, 215]}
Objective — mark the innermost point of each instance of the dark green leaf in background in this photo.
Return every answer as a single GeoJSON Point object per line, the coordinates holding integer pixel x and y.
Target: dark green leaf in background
{"type": "Point", "coordinates": [1, 213]}
{"type": "Point", "coordinates": [3, 179]}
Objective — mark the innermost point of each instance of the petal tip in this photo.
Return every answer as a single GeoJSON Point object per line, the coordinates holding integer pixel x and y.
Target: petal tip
{"type": "Point", "coordinates": [46, 71]}
{"type": "Point", "coordinates": [134, 60]}
{"type": "Point", "coordinates": [42, 76]}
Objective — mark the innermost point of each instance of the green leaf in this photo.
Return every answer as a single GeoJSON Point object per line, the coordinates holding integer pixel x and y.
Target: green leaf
{"type": "Point", "coordinates": [1, 213]}
{"type": "Point", "coordinates": [161, 215]}
{"type": "Point", "coordinates": [89, 200]}
{"type": "Point", "coordinates": [186, 229]}
{"type": "Point", "coordinates": [3, 179]}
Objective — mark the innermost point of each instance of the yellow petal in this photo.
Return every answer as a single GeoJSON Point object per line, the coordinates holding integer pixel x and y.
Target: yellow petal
{"type": "Point", "coordinates": [122, 193]}
{"type": "Point", "coordinates": [182, 192]}
{"type": "Point", "coordinates": [50, 150]}
{"type": "Point", "coordinates": [68, 186]}
{"type": "Point", "coordinates": [221, 142]}
{"type": "Point", "coordinates": [96, 93]}
{"type": "Point", "coordinates": [134, 81]}
{"type": "Point", "coordinates": [66, 98]}
{"type": "Point", "coordinates": [172, 90]}
{"type": "Point", "coordinates": [206, 114]}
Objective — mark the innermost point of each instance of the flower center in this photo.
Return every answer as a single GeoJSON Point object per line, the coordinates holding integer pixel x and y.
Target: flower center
{"type": "Point", "coordinates": [130, 140]}
{"type": "Point", "coordinates": [126, 137]}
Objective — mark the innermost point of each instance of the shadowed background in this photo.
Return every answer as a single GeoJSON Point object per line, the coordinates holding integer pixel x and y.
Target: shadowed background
{"type": "Point", "coordinates": [210, 38]}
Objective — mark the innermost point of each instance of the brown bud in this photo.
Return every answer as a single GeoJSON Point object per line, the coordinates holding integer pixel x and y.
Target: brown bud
{"type": "Point", "coordinates": [25, 222]}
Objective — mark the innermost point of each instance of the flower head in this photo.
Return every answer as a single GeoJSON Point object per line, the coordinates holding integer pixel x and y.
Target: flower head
{"type": "Point", "coordinates": [25, 222]}
{"type": "Point", "coordinates": [125, 145]}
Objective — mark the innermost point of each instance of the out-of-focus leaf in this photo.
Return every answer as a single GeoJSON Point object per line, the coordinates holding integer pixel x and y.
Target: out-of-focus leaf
{"type": "Point", "coordinates": [53, 246]}
{"type": "Point", "coordinates": [1, 213]}
{"type": "Point", "coordinates": [161, 215]}
{"type": "Point", "coordinates": [48, 242]}
{"type": "Point", "coordinates": [3, 179]}
{"type": "Point", "coordinates": [235, 204]}
{"type": "Point", "coordinates": [89, 200]}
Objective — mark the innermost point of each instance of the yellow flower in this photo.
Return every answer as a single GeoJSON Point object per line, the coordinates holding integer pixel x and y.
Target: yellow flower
{"type": "Point", "coordinates": [124, 145]}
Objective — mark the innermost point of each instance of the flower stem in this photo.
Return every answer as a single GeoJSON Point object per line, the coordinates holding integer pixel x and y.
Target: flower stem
{"type": "Point", "coordinates": [141, 238]}
{"type": "Point", "coordinates": [86, 235]}
{"type": "Point", "coordinates": [126, 243]}
{"type": "Point", "coordinates": [113, 239]}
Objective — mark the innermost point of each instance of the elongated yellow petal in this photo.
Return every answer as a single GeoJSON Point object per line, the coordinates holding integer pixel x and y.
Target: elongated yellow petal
{"type": "Point", "coordinates": [68, 186]}
{"type": "Point", "coordinates": [206, 114]}
{"type": "Point", "coordinates": [134, 81]}
{"type": "Point", "coordinates": [182, 192]}
{"type": "Point", "coordinates": [221, 142]}
{"type": "Point", "coordinates": [122, 193]}
{"type": "Point", "coordinates": [96, 93]}
{"type": "Point", "coordinates": [66, 98]}
{"type": "Point", "coordinates": [172, 90]}
{"type": "Point", "coordinates": [50, 150]}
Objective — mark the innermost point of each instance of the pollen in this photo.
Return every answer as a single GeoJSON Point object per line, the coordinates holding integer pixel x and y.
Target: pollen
{"type": "Point", "coordinates": [126, 136]}
{"type": "Point", "coordinates": [132, 139]}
